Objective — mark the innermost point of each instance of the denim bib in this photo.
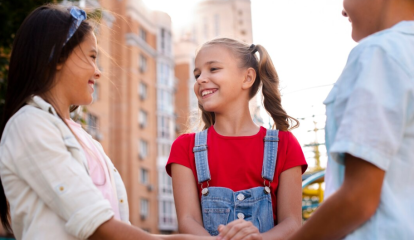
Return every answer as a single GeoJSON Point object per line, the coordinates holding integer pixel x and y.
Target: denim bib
{"type": "Point", "coordinates": [222, 205]}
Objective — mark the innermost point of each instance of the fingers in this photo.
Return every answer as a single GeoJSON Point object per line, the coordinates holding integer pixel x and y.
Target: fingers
{"type": "Point", "coordinates": [224, 230]}
{"type": "Point", "coordinates": [238, 230]}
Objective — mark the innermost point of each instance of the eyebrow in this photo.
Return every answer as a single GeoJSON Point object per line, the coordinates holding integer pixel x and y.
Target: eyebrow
{"type": "Point", "coordinates": [93, 51]}
{"type": "Point", "coordinates": [207, 63]}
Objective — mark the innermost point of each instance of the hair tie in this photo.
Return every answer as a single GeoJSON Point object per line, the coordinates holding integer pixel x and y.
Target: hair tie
{"type": "Point", "coordinates": [78, 16]}
{"type": "Point", "coordinates": [253, 48]}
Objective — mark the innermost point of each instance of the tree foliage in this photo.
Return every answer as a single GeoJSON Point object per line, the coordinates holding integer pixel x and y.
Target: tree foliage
{"type": "Point", "coordinates": [12, 15]}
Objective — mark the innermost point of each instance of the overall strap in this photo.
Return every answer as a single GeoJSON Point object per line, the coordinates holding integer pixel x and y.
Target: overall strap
{"type": "Point", "coordinates": [201, 157]}
{"type": "Point", "coordinates": [270, 152]}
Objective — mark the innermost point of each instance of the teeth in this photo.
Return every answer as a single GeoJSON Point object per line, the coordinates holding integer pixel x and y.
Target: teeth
{"type": "Point", "coordinates": [206, 92]}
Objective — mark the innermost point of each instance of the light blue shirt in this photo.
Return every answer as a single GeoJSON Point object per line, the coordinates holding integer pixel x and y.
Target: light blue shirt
{"type": "Point", "coordinates": [370, 115]}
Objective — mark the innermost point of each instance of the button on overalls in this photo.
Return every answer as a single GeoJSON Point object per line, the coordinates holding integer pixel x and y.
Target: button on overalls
{"type": "Point", "coordinates": [221, 205]}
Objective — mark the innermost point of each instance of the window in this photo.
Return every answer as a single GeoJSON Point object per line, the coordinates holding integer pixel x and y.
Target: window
{"type": "Point", "coordinates": [142, 90]}
{"type": "Point", "coordinates": [144, 208]}
{"type": "Point", "coordinates": [144, 176]}
{"type": "Point", "coordinates": [163, 40]}
{"type": "Point", "coordinates": [167, 212]}
{"type": "Point", "coordinates": [165, 101]}
{"type": "Point", "coordinates": [164, 127]}
{"type": "Point", "coordinates": [164, 74]}
{"type": "Point", "coordinates": [166, 183]}
{"type": "Point", "coordinates": [95, 94]}
{"type": "Point", "coordinates": [142, 118]}
{"type": "Point", "coordinates": [142, 63]}
{"type": "Point", "coordinates": [143, 34]}
{"type": "Point", "coordinates": [164, 149]}
{"type": "Point", "coordinates": [92, 125]}
{"type": "Point", "coordinates": [143, 149]}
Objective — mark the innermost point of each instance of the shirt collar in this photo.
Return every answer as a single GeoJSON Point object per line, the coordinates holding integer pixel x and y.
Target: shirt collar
{"type": "Point", "coordinates": [404, 27]}
{"type": "Point", "coordinates": [38, 102]}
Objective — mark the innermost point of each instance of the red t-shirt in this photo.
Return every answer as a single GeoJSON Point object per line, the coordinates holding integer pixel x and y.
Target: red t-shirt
{"type": "Point", "coordinates": [236, 162]}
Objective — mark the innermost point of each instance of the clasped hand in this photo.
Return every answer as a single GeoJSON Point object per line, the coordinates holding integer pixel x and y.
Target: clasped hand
{"type": "Point", "coordinates": [239, 230]}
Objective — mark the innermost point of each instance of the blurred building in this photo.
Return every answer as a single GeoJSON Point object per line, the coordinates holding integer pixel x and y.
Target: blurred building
{"type": "Point", "coordinates": [211, 19]}
{"type": "Point", "coordinates": [133, 112]}
{"type": "Point", "coordinates": [167, 220]}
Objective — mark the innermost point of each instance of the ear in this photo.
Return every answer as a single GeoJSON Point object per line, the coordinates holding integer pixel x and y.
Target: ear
{"type": "Point", "coordinates": [59, 66]}
{"type": "Point", "coordinates": [249, 78]}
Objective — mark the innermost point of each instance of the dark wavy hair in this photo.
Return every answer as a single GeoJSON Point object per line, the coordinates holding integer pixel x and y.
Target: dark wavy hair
{"type": "Point", "coordinates": [38, 48]}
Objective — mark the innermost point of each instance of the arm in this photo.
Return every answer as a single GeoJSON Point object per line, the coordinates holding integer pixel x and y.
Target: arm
{"type": "Point", "coordinates": [114, 230]}
{"type": "Point", "coordinates": [289, 214]}
{"type": "Point", "coordinates": [352, 205]}
{"type": "Point", "coordinates": [187, 202]}
{"type": "Point", "coordinates": [289, 205]}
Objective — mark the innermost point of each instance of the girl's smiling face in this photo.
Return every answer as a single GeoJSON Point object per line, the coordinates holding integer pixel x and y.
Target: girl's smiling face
{"type": "Point", "coordinates": [219, 80]}
{"type": "Point", "coordinates": [77, 75]}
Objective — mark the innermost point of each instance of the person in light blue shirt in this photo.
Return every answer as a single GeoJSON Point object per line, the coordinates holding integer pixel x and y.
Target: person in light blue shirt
{"type": "Point", "coordinates": [370, 130]}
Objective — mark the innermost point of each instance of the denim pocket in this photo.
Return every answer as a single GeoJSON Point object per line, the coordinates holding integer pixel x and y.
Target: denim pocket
{"type": "Point", "coordinates": [213, 217]}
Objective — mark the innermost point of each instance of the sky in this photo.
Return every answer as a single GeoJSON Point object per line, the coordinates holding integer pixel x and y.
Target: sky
{"type": "Point", "coordinates": [308, 41]}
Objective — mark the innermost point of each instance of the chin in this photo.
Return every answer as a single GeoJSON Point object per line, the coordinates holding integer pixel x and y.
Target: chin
{"type": "Point", "coordinates": [210, 108]}
{"type": "Point", "coordinates": [359, 35]}
{"type": "Point", "coordinates": [355, 37]}
{"type": "Point", "coordinates": [84, 101]}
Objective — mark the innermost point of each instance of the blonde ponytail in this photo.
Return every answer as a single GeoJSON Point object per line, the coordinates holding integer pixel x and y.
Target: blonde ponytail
{"type": "Point", "coordinates": [272, 100]}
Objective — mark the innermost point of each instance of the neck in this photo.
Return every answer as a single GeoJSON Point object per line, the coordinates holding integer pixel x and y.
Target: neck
{"type": "Point", "coordinates": [61, 106]}
{"type": "Point", "coordinates": [235, 122]}
{"type": "Point", "coordinates": [395, 12]}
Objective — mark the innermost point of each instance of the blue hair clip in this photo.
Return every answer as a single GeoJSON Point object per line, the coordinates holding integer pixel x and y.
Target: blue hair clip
{"type": "Point", "coordinates": [78, 16]}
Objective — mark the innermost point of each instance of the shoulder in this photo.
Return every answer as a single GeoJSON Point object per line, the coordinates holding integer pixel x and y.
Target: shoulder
{"type": "Point", "coordinates": [288, 137]}
{"type": "Point", "coordinates": [29, 120]}
{"type": "Point", "coordinates": [291, 151]}
{"type": "Point", "coordinates": [184, 139]}
{"type": "Point", "coordinates": [32, 131]}
{"type": "Point", "coordinates": [392, 45]}
{"type": "Point", "coordinates": [181, 152]}
{"type": "Point", "coordinates": [289, 143]}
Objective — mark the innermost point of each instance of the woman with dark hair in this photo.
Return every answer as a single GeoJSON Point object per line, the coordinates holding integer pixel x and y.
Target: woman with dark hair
{"type": "Point", "coordinates": [58, 181]}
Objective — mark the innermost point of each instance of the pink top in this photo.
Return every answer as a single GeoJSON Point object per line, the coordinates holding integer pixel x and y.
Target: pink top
{"type": "Point", "coordinates": [98, 170]}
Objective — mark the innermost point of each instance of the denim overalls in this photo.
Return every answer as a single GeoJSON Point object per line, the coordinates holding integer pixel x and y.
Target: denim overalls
{"type": "Point", "coordinates": [221, 205]}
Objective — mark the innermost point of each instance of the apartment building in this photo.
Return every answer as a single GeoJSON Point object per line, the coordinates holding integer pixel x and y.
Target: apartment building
{"type": "Point", "coordinates": [165, 121]}
{"type": "Point", "coordinates": [132, 115]}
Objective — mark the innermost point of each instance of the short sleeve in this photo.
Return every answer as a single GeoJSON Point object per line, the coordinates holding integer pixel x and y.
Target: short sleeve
{"type": "Point", "coordinates": [180, 152]}
{"type": "Point", "coordinates": [372, 117]}
{"type": "Point", "coordinates": [294, 154]}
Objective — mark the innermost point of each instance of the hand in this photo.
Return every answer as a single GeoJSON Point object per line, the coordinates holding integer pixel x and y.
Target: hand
{"type": "Point", "coordinates": [239, 230]}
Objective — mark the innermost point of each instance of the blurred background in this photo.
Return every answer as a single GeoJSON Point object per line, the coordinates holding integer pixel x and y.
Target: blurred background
{"type": "Point", "coordinates": [145, 97]}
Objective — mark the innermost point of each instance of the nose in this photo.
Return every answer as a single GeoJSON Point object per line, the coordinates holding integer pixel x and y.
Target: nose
{"type": "Point", "coordinates": [344, 13]}
{"type": "Point", "coordinates": [97, 73]}
{"type": "Point", "coordinates": [202, 79]}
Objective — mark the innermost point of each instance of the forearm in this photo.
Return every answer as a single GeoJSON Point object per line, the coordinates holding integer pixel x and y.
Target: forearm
{"type": "Point", "coordinates": [114, 230]}
{"type": "Point", "coordinates": [340, 214]}
{"type": "Point", "coordinates": [282, 230]}
{"type": "Point", "coordinates": [189, 225]}
{"type": "Point", "coordinates": [184, 237]}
